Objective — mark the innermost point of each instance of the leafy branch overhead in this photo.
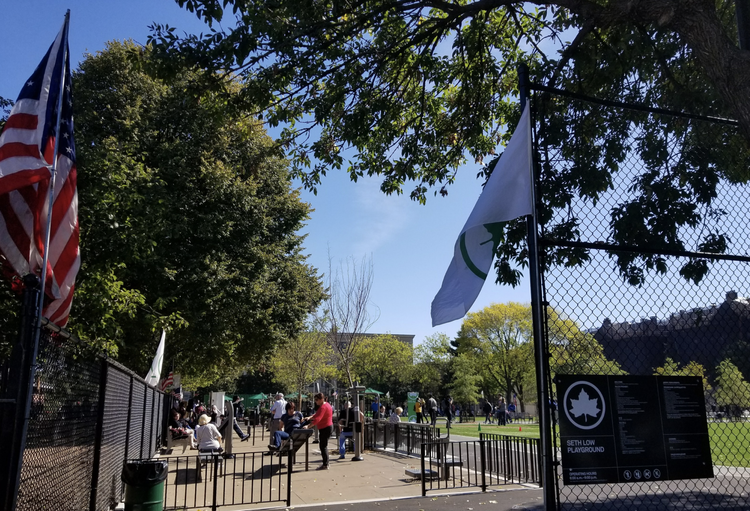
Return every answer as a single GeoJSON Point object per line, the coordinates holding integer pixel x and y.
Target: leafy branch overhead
{"type": "Point", "coordinates": [413, 90]}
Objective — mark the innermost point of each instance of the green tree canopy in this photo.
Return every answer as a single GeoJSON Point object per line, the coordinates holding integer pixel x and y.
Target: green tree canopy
{"type": "Point", "coordinates": [499, 339]}
{"type": "Point", "coordinates": [411, 91]}
{"type": "Point", "coordinates": [188, 222]}
{"type": "Point", "coordinates": [384, 363]}
{"type": "Point", "coordinates": [301, 360]}
{"type": "Point", "coordinates": [692, 368]}
{"type": "Point", "coordinates": [731, 388]}
{"type": "Point", "coordinates": [432, 364]}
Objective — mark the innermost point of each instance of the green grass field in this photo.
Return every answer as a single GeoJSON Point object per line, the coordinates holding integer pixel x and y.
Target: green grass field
{"type": "Point", "coordinates": [472, 429]}
{"type": "Point", "coordinates": [730, 441]}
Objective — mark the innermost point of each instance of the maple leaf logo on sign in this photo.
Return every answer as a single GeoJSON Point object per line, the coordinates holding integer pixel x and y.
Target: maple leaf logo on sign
{"type": "Point", "coordinates": [582, 405]}
{"type": "Point", "coordinates": [585, 406]}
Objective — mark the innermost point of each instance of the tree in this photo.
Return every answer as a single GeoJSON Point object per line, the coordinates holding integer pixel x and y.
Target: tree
{"type": "Point", "coordinates": [301, 360]}
{"type": "Point", "coordinates": [581, 353]}
{"type": "Point", "coordinates": [432, 364]}
{"type": "Point", "coordinates": [692, 368]}
{"type": "Point", "coordinates": [499, 339]}
{"type": "Point", "coordinates": [732, 391]}
{"type": "Point", "coordinates": [466, 380]}
{"type": "Point", "coordinates": [410, 91]}
{"type": "Point", "coordinates": [384, 363]}
{"type": "Point", "coordinates": [347, 316]}
{"type": "Point", "coordinates": [188, 221]}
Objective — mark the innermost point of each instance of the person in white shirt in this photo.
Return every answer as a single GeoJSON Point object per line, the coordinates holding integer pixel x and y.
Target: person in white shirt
{"type": "Point", "coordinates": [208, 436]}
{"type": "Point", "coordinates": [277, 410]}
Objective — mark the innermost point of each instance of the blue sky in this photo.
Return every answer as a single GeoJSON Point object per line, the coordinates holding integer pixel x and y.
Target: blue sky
{"type": "Point", "coordinates": [410, 245]}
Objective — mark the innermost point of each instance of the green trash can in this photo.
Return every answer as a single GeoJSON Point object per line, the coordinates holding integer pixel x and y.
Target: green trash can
{"type": "Point", "coordinates": [144, 484]}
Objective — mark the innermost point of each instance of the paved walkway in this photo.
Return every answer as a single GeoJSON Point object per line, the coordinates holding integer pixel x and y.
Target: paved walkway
{"type": "Point", "coordinates": [379, 481]}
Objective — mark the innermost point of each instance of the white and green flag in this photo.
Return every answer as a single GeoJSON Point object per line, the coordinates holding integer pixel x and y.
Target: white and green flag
{"type": "Point", "coordinates": [507, 195]}
{"type": "Point", "coordinates": [154, 374]}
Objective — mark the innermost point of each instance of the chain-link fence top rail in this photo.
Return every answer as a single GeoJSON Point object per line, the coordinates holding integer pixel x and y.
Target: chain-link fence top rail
{"type": "Point", "coordinates": [661, 188]}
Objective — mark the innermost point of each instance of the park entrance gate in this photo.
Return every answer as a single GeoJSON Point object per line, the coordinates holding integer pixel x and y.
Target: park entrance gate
{"type": "Point", "coordinates": [645, 306]}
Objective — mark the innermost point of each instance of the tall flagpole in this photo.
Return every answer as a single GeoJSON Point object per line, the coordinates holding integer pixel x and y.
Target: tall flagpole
{"type": "Point", "coordinates": [53, 168]}
{"type": "Point", "coordinates": [545, 429]}
{"type": "Point", "coordinates": [21, 432]}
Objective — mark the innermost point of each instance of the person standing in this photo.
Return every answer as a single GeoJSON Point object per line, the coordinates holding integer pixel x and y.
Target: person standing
{"type": "Point", "coordinates": [277, 410]}
{"type": "Point", "coordinates": [501, 412]}
{"type": "Point", "coordinates": [432, 408]}
{"type": "Point", "coordinates": [418, 409]}
{"type": "Point", "coordinates": [448, 411]}
{"type": "Point", "coordinates": [323, 420]}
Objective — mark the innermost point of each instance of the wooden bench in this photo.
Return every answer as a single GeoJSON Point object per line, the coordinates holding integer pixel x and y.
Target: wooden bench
{"type": "Point", "coordinates": [185, 441]}
{"type": "Point", "coordinates": [294, 443]}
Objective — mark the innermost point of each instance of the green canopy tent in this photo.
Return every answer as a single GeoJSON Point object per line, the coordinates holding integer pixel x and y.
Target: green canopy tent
{"type": "Point", "coordinates": [372, 391]}
{"type": "Point", "coordinates": [258, 397]}
{"type": "Point", "coordinates": [294, 395]}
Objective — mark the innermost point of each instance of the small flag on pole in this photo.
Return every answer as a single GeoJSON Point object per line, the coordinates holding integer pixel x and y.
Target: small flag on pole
{"type": "Point", "coordinates": [168, 381]}
{"type": "Point", "coordinates": [506, 196]}
{"type": "Point", "coordinates": [154, 374]}
{"type": "Point", "coordinates": [27, 146]}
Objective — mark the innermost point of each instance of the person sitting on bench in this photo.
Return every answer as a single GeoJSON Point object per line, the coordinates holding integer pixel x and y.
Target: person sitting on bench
{"type": "Point", "coordinates": [208, 435]}
{"type": "Point", "coordinates": [290, 421]}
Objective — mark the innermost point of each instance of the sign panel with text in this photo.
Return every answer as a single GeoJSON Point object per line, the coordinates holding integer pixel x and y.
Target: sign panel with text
{"type": "Point", "coordinates": [620, 429]}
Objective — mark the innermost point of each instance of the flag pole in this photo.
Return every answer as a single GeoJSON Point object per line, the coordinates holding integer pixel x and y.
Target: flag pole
{"type": "Point", "coordinates": [23, 419]}
{"type": "Point", "coordinates": [53, 167]}
{"type": "Point", "coordinates": [545, 427]}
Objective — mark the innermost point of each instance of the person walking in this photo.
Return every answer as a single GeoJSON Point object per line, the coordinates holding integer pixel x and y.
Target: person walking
{"type": "Point", "coordinates": [323, 420]}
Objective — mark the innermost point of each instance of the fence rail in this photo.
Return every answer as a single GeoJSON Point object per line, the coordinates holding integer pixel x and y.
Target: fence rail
{"type": "Point", "coordinates": [493, 460]}
{"type": "Point", "coordinates": [248, 478]}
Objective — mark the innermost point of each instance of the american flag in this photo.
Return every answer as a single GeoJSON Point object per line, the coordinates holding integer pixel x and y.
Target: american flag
{"type": "Point", "coordinates": [26, 155]}
{"type": "Point", "coordinates": [168, 381]}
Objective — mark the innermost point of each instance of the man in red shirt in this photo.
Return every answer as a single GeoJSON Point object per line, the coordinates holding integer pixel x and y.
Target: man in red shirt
{"type": "Point", "coordinates": [323, 420]}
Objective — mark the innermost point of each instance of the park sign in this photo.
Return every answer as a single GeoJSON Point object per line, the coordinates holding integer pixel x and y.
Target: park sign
{"type": "Point", "coordinates": [630, 429]}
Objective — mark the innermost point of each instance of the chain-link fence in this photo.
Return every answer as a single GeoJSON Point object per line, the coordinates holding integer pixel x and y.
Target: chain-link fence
{"type": "Point", "coordinates": [631, 288]}
{"type": "Point", "coordinates": [88, 415]}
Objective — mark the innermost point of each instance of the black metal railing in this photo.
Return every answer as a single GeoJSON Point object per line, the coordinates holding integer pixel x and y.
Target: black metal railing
{"type": "Point", "coordinates": [494, 460]}
{"type": "Point", "coordinates": [405, 437]}
{"type": "Point", "coordinates": [210, 481]}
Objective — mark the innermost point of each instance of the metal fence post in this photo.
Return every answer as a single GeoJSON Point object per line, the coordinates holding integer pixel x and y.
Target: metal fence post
{"type": "Point", "coordinates": [289, 464]}
{"type": "Point", "coordinates": [483, 463]}
{"type": "Point", "coordinates": [424, 475]}
{"type": "Point", "coordinates": [214, 505]}
{"type": "Point", "coordinates": [98, 435]}
{"type": "Point", "coordinates": [20, 389]}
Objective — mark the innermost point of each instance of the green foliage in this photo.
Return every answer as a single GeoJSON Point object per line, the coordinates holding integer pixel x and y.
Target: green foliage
{"type": "Point", "coordinates": [301, 360]}
{"type": "Point", "coordinates": [499, 340]}
{"type": "Point", "coordinates": [411, 91]}
{"type": "Point", "coordinates": [188, 222]}
{"type": "Point", "coordinates": [732, 390]}
{"type": "Point", "coordinates": [432, 364]}
{"type": "Point", "coordinates": [466, 381]}
{"type": "Point", "coordinates": [692, 368]}
{"type": "Point", "coordinates": [384, 363]}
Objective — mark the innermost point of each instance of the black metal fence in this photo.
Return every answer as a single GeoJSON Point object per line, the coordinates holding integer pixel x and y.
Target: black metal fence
{"type": "Point", "coordinates": [493, 460]}
{"type": "Point", "coordinates": [672, 302]}
{"type": "Point", "coordinates": [405, 437]}
{"type": "Point", "coordinates": [205, 481]}
{"type": "Point", "coordinates": [88, 415]}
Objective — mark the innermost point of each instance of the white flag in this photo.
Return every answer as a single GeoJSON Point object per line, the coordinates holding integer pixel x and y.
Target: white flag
{"type": "Point", "coordinates": [507, 195]}
{"type": "Point", "coordinates": [152, 378]}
